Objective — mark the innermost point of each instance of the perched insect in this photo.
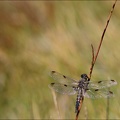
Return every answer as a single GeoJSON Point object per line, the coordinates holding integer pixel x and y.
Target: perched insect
{"type": "Point", "coordinates": [83, 87]}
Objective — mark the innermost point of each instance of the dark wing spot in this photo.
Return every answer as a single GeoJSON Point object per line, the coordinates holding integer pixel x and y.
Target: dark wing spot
{"type": "Point", "coordinates": [65, 85]}
{"type": "Point", "coordinates": [96, 89]}
{"type": "Point", "coordinates": [110, 92]}
{"type": "Point", "coordinates": [113, 80]}
{"type": "Point", "coordinates": [99, 81]}
{"type": "Point", "coordinates": [64, 76]}
{"type": "Point", "coordinates": [53, 71]}
{"type": "Point", "coordinates": [52, 84]}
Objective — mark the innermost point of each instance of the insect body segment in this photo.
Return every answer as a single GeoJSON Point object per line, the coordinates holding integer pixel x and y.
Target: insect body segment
{"type": "Point", "coordinates": [78, 100]}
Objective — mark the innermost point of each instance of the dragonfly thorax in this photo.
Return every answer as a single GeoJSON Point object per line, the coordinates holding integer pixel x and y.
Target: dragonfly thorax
{"type": "Point", "coordinates": [83, 83]}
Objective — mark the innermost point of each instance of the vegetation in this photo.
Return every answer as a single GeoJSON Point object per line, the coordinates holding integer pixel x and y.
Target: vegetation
{"type": "Point", "coordinates": [37, 37]}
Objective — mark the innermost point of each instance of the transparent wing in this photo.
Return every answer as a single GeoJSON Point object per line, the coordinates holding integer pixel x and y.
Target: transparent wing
{"type": "Point", "coordinates": [98, 93]}
{"type": "Point", "coordinates": [63, 88]}
{"type": "Point", "coordinates": [62, 78]}
{"type": "Point", "coordinates": [101, 84]}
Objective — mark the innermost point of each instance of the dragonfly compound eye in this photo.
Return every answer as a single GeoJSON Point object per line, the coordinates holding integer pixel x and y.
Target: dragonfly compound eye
{"type": "Point", "coordinates": [84, 76]}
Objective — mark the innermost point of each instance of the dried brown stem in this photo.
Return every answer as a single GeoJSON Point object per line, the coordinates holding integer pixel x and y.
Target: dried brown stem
{"type": "Point", "coordinates": [93, 62]}
{"type": "Point", "coordinates": [94, 58]}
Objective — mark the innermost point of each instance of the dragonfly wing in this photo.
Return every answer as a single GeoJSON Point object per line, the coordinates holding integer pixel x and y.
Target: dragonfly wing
{"type": "Point", "coordinates": [63, 88]}
{"type": "Point", "coordinates": [98, 93]}
{"type": "Point", "coordinates": [62, 78]}
{"type": "Point", "coordinates": [101, 84]}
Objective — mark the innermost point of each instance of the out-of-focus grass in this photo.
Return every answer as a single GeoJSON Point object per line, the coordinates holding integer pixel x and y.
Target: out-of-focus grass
{"type": "Point", "coordinates": [37, 37]}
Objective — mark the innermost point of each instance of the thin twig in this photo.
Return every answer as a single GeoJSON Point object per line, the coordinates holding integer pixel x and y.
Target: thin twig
{"type": "Point", "coordinates": [92, 62]}
{"type": "Point", "coordinates": [86, 113]}
{"type": "Point", "coordinates": [56, 105]}
{"type": "Point", "coordinates": [94, 58]}
{"type": "Point", "coordinates": [92, 65]}
{"type": "Point", "coordinates": [107, 109]}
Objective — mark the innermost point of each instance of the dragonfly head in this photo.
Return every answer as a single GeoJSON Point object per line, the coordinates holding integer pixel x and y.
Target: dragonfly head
{"type": "Point", "coordinates": [84, 76]}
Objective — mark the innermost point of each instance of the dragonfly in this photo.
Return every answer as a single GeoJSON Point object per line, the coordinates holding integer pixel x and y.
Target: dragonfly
{"type": "Point", "coordinates": [84, 87]}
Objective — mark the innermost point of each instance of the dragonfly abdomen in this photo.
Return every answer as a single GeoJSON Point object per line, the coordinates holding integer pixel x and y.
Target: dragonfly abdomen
{"type": "Point", "coordinates": [78, 100]}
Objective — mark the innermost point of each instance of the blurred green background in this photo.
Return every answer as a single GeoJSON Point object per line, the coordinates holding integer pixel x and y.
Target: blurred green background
{"type": "Point", "coordinates": [37, 37]}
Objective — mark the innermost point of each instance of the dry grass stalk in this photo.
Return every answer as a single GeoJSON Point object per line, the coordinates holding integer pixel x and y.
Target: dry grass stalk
{"type": "Point", "coordinates": [94, 58]}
